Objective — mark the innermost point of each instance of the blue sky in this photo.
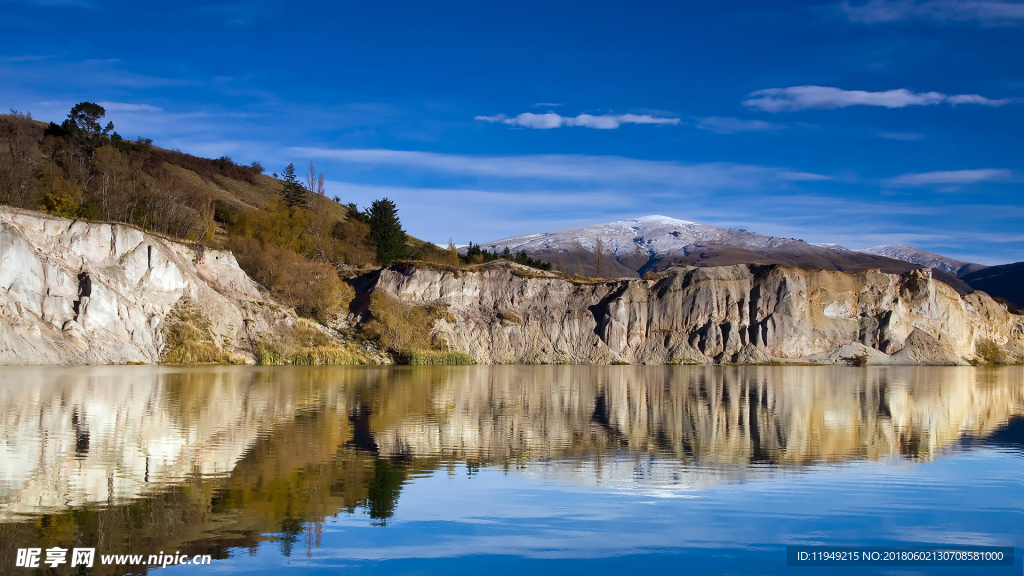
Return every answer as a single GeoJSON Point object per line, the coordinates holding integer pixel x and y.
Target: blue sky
{"type": "Point", "coordinates": [891, 121]}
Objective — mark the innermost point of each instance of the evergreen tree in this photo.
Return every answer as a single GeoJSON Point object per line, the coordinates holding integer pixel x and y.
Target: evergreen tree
{"type": "Point", "coordinates": [386, 231]}
{"type": "Point", "coordinates": [82, 128]}
{"type": "Point", "coordinates": [293, 194]}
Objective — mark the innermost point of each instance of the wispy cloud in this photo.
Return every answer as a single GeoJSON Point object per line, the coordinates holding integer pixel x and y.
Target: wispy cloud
{"type": "Point", "coordinates": [125, 107]}
{"type": "Point", "coordinates": [563, 167]}
{"type": "Point", "coordinates": [947, 177]}
{"type": "Point", "coordinates": [552, 120]}
{"type": "Point", "coordinates": [828, 98]}
{"type": "Point", "coordinates": [724, 125]}
{"type": "Point", "coordinates": [980, 100]}
{"type": "Point", "coordinates": [900, 135]}
{"type": "Point", "coordinates": [984, 11]}
{"type": "Point", "coordinates": [26, 58]}
{"type": "Point", "coordinates": [545, 104]}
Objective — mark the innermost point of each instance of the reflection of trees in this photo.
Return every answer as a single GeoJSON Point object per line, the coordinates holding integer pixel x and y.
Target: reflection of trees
{"type": "Point", "coordinates": [277, 452]}
{"type": "Point", "coordinates": [384, 488]}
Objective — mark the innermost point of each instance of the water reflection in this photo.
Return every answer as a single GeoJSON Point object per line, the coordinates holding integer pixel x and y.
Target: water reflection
{"type": "Point", "coordinates": [204, 460]}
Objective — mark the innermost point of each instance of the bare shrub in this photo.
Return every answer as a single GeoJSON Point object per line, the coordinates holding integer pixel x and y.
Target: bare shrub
{"type": "Point", "coordinates": [19, 158]}
{"type": "Point", "coordinates": [179, 211]}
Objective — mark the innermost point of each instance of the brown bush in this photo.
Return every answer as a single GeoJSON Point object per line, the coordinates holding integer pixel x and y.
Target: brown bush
{"type": "Point", "coordinates": [313, 233]}
{"type": "Point", "coordinates": [207, 168]}
{"type": "Point", "coordinates": [396, 325]}
{"type": "Point", "coordinates": [313, 288]}
{"type": "Point", "coordinates": [990, 352]}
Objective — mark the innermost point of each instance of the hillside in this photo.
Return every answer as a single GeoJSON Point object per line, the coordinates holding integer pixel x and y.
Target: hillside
{"type": "Point", "coordinates": [285, 233]}
{"type": "Point", "coordinates": [209, 189]}
{"type": "Point", "coordinates": [1005, 281]}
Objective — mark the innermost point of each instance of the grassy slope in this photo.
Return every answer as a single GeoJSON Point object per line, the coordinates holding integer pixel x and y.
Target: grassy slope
{"type": "Point", "coordinates": [237, 194]}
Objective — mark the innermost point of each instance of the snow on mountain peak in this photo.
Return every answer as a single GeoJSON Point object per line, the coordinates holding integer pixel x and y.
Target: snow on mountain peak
{"type": "Point", "coordinates": [916, 256]}
{"type": "Point", "coordinates": [658, 219]}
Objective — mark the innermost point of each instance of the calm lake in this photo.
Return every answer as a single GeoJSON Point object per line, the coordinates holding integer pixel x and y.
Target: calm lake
{"type": "Point", "coordinates": [508, 469]}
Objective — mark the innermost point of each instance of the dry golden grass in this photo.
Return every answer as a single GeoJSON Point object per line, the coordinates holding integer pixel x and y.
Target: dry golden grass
{"type": "Point", "coordinates": [188, 338]}
{"type": "Point", "coordinates": [306, 345]}
{"type": "Point", "coordinates": [419, 357]}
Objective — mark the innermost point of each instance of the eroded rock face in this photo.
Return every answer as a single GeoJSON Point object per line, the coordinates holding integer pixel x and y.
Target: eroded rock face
{"type": "Point", "coordinates": [137, 279]}
{"type": "Point", "coordinates": [743, 313]}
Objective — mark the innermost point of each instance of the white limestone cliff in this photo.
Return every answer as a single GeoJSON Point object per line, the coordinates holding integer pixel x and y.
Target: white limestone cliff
{"type": "Point", "coordinates": [137, 280]}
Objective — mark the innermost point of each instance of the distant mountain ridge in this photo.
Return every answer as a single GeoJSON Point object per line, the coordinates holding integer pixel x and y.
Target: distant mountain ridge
{"type": "Point", "coordinates": [636, 246]}
{"type": "Point", "coordinates": [922, 258]}
{"type": "Point", "coordinates": [1004, 281]}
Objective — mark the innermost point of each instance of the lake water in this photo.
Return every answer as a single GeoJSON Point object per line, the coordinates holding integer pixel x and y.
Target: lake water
{"type": "Point", "coordinates": [508, 469]}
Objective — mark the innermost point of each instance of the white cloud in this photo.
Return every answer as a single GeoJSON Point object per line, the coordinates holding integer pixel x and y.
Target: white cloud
{"type": "Point", "coordinates": [723, 125]}
{"type": "Point", "coordinates": [573, 168]}
{"type": "Point", "coordinates": [976, 99]}
{"type": "Point", "coordinates": [542, 104]}
{"type": "Point", "coordinates": [551, 120]}
{"type": "Point", "coordinates": [953, 177]}
{"type": "Point", "coordinates": [828, 98]}
{"type": "Point", "coordinates": [984, 11]}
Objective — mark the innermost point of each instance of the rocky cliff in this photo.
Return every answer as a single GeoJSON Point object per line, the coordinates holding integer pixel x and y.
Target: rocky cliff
{"type": "Point", "coordinates": [499, 313]}
{"type": "Point", "coordinates": [138, 280]}
{"type": "Point", "coordinates": [504, 313]}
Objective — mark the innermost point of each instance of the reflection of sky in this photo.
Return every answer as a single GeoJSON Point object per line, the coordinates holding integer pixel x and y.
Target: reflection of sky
{"type": "Point", "coordinates": [519, 521]}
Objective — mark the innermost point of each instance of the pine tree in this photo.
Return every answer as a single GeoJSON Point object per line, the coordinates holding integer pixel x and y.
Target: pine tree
{"type": "Point", "coordinates": [293, 194]}
{"type": "Point", "coordinates": [386, 231]}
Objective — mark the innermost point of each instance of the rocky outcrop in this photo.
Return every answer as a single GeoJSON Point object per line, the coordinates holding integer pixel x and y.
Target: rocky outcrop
{"type": "Point", "coordinates": [505, 313]}
{"type": "Point", "coordinates": [137, 281]}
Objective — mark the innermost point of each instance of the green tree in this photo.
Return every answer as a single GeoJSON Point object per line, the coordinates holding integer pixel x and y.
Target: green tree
{"type": "Point", "coordinates": [85, 118]}
{"type": "Point", "coordinates": [82, 128]}
{"type": "Point", "coordinates": [293, 194]}
{"type": "Point", "coordinates": [386, 231]}
{"type": "Point", "coordinates": [384, 489]}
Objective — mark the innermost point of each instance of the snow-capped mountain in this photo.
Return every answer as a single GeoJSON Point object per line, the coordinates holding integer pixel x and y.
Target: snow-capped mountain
{"type": "Point", "coordinates": [922, 258]}
{"type": "Point", "coordinates": [651, 243]}
{"type": "Point", "coordinates": [650, 235]}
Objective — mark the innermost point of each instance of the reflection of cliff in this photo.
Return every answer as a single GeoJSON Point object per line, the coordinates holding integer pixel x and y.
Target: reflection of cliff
{"type": "Point", "coordinates": [201, 459]}
{"type": "Point", "coordinates": [109, 435]}
{"type": "Point", "coordinates": [731, 415]}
